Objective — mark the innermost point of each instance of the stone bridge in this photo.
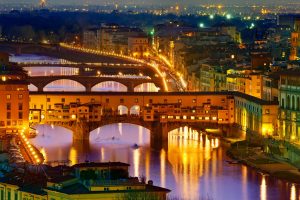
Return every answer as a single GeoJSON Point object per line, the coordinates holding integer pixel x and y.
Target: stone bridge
{"type": "Point", "coordinates": [89, 81]}
{"type": "Point", "coordinates": [158, 130]}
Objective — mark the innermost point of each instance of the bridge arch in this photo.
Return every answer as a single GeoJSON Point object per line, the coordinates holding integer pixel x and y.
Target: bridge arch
{"type": "Point", "coordinates": [64, 85]}
{"type": "Point", "coordinates": [109, 86]}
{"type": "Point", "coordinates": [32, 88]}
{"type": "Point", "coordinates": [121, 133]}
{"type": "Point", "coordinates": [147, 87]}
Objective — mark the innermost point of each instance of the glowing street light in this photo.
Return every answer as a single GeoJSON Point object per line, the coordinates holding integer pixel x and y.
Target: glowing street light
{"type": "Point", "coordinates": [228, 16]}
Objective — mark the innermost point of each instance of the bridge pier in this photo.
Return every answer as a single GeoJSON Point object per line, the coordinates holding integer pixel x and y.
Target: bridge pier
{"type": "Point", "coordinates": [81, 131]}
{"type": "Point", "coordinates": [159, 136]}
{"type": "Point", "coordinates": [130, 88]}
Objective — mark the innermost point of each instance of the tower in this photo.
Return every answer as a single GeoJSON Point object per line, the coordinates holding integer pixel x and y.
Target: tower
{"type": "Point", "coordinates": [295, 40]}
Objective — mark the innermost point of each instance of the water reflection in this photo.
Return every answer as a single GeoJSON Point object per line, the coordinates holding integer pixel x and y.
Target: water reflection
{"type": "Point", "coordinates": [146, 87]}
{"type": "Point", "coordinates": [51, 71]}
{"type": "Point", "coordinates": [263, 189]}
{"type": "Point", "coordinates": [109, 86]}
{"type": "Point", "coordinates": [194, 165]}
{"type": "Point", "coordinates": [64, 85]}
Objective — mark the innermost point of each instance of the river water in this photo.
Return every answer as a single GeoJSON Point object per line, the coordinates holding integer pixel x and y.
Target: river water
{"type": "Point", "coordinates": [194, 165]}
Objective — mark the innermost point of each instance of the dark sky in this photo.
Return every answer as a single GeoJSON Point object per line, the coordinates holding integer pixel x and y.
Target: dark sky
{"type": "Point", "coordinates": [155, 2]}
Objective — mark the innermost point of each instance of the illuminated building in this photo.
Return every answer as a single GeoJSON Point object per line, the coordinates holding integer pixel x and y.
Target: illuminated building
{"type": "Point", "coordinates": [212, 78]}
{"type": "Point", "coordinates": [83, 181]}
{"type": "Point", "coordinates": [245, 81]}
{"type": "Point", "coordinates": [289, 96]}
{"type": "Point", "coordinates": [14, 97]}
{"type": "Point", "coordinates": [138, 46]}
{"type": "Point", "coordinates": [119, 39]}
{"type": "Point", "coordinates": [256, 115]}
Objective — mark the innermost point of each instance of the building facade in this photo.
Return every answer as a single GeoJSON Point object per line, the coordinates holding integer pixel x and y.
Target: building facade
{"type": "Point", "coordinates": [14, 97]}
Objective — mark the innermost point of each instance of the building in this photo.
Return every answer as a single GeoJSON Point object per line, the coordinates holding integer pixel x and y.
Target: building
{"type": "Point", "coordinates": [83, 181]}
{"type": "Point", "coordinates": [138, 46]}
{"type": "Point", "coordinates": [289, 96]}
{"type": "Point", "coordinates": [245, 81]}
{"type": "Point", "coordinates": [212, 78]}
{"type": "Point", "coordinates": [14, 97]}
{"type": "Point", "coordinates": [90, 39]}
{"type": "Point", "coordinates": [255, 115]}
{"type": "Point", "coordinates": [295, 40]}
{"type": "Point", "coordinates": [260, 60]}
{"type": "Point", "coordinates": [123, 40]}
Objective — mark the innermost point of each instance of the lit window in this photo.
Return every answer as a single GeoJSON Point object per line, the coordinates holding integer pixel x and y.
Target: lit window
{"type": "Point", "coordinates": [214, 118]}
{"type": "Point", "coordinates": [177, 117]}
{"type": "Point", "coordinates": [20, 96]}
{"type": "Point", "coordinates": [193, 117]}
{"type": "Point", "coordinates": [163, 117]}
{"type": "Point", "coordinates": [206, 118]}
{"type": "Point", "coordinates": [8, 96]}
{"type": "Point", "coordinates": [184, 117]}
{"type": "Point", "coordinates": [170, 117]}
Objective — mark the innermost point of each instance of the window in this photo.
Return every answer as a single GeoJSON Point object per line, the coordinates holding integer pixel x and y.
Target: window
{"type": "Point", "coordinates": [136, 100]}
{"type": "Point", "coordinates": [194, 100]}
{"type": "Point", "coordinates": [16, 195]}
{"type": "Point", "coordinates": [93, 100]}
{"type": "Point", "coordinates": [8, 115]}
{"type": "Point", "coordinates": [20, 115]}
{"type": "Point", "coordinates": [77, 100]}
{"type": "Point", "coordinates": [165, 100]}
{"type": "Point", "coordinates": [48, 99]}
{"type": "Point", "coordinates": [8, 194]}
{"type": "Point", "coordinates": [150, 100]}
{"type": "Point", "coordinates": [20, 106]}
{"type": "Point", "coordinates": [121, 100]}
{"type": "Point", "coordinates": [8, 96]}
{"type": "Point", "coordinates": [267, 111]}
{"type": "Point", "coordinates": [107, 100]}
{"type": "Point", "coordinates": [20, 96]}
{"type": "Point", "coordinates": [8, 106]}
{"type": "Point", "coordinates": [63, 100]}
{"type": "Point", "coordinates": [179, 101]}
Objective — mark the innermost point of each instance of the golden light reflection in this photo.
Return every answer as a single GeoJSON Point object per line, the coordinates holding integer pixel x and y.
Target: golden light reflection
{"type": "Point", "coordinates": [102, 154]}
{"type": "Point", "coordinates": [163, 168]}
{"type": "Point", "coordinates": [147, 165]}
{"type": "Point", "coordinates": [263, 189]}
{"type": "Point", "coordinates": [189, 153]}
{"type": "Point", "coordinates": [293, 192]}
{"type": "Point", "coordinates": [136, 162]}
{"type": "Point", "coordinates": [244, 179]}
{"type": "Point", "coordinates": [73, 156]}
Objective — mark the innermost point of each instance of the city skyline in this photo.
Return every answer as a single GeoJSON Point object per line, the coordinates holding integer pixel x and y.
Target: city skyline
{"type": "Point", "coordinates": [153, 2]}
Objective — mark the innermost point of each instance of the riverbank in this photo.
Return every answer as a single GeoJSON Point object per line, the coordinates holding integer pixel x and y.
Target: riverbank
{"type": "Point", "coordinates": [255, 158]}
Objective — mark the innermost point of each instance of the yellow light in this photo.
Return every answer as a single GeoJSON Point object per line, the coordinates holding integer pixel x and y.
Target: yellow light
{"type": "Point", "coordinates": [3, 78]}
